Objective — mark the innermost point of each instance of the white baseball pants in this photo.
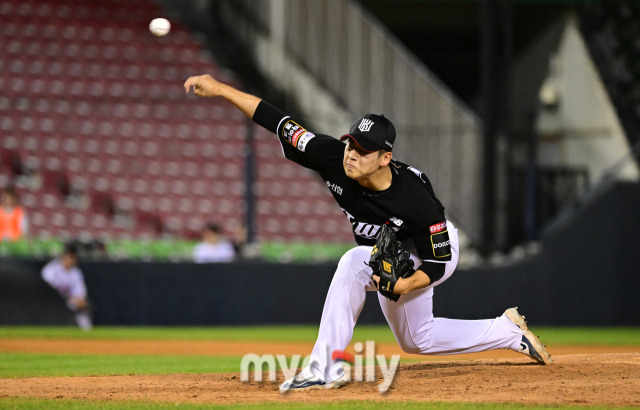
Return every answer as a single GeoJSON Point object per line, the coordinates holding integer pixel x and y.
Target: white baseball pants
{"type": "Point", "coordinates": [411, 318]}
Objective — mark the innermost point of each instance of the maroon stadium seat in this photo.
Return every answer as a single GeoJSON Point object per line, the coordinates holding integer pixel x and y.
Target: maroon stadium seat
{"type": "Point", "coordinates": [94, 104]}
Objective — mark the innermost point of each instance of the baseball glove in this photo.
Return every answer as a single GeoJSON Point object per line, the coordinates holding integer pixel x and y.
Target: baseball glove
{"type": "Point", "coordinates": [390, 262]}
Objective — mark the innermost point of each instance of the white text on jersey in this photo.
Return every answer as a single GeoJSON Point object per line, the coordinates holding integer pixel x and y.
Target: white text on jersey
{"type": "Point", "coordinates": [335, 188]}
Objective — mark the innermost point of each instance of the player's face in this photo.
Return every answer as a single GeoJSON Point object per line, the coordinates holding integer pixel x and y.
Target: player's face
{"type": "Point", "coordinates": [68, 260]}
{"type": "Point", "coordinates": [8, 200]}
{"type": "Point", "coordinates": [210, 236]}
{"type": "Point", "coordinates": [359, 164]}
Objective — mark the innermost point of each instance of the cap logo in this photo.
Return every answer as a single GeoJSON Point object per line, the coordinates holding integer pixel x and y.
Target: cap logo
{"type": "Point", "coordinates": [365, 125]}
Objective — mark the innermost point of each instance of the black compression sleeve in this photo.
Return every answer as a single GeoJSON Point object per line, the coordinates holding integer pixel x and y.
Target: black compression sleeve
{"type": "Point", "coordinates": [268, 116]}
{"type": "Point", "coordinates": [435, 271]}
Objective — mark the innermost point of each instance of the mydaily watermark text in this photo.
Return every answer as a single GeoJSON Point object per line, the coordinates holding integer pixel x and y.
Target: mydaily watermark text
{"type": "Point", "coordinates": [359, 367]}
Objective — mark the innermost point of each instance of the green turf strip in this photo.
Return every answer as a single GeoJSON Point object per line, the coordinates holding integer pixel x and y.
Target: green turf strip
{"type": "Point", "coordinates": [32, 365]}
{"type": "Point", "coordinates": [590, 336]}
{"type": "Point", "coordinates": [621, 336]}
{"type": "Point", "coordinates": [39, 404]}
{"type": "Point", "coordinates": [17, 365]}
{"type": "Point", "coordinates": [307, 333]}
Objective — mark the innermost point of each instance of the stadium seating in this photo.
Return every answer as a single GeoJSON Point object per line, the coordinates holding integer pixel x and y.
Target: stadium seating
{"type": "Point", "coordinates": [102, 143]}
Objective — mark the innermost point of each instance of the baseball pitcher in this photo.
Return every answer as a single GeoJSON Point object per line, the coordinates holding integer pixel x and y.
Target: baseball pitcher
{"type": "Point", "coordinates": [407, 247]}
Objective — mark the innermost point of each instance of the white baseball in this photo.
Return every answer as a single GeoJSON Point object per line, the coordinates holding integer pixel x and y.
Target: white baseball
{"type": "Point", "coordinates": [159, 26]}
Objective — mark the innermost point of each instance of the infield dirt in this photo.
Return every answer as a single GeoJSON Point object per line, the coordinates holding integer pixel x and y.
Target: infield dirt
{"type": "Point", "coordinates": [579, 376]}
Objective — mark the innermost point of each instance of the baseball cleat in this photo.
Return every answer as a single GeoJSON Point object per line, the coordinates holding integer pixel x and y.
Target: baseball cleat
{"type": "Point", "coordinates": [530, 345]}
{"type": "Point", "coordinates": [306, 380]}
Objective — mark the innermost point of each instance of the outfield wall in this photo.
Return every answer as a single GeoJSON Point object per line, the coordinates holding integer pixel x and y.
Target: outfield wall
{"type": "Point", "coordinates": [240, 293]}
{"type": "Point", "coordinates": [586, 275]}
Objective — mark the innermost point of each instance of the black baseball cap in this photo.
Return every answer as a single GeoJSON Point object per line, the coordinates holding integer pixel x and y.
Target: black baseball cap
{"type": "Point", "coordinates": [372, 132]}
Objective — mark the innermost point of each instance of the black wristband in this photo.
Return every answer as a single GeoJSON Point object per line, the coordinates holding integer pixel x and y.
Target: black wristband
{"type": "Point", "coordinates": [268, 116]}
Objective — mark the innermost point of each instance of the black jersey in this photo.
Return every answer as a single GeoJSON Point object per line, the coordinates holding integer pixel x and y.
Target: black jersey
{"type": "Point", "coordinates": [409, 205]}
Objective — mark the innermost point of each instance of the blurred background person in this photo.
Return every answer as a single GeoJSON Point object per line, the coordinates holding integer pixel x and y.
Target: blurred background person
{"type": "Point", "coordinates": [240, 239]}
{"type": "Point", "coordinates": [66, 278]}
{"type": "Point", "coordinates": [214, 247]}
{"type": "Point", "coordinates": [13, 218]}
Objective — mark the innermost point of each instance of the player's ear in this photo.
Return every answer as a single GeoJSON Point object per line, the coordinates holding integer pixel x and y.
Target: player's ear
{"type": "Point", "coordinates": [385, 158]}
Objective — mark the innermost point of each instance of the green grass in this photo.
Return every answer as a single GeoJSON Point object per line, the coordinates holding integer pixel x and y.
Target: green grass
{"type": "Point", "coordinates": [39, 404]}
{"type": "Point", "coordinates": [14, 365]}
{"type": "Point", "coordinates": [590, 336]}
{"type": "Point", "coordinates": [617, 336]}
{"type": "Point", "coordinates": [19, 365]}
{"type": "Point", "coordinates": [225, 333]}
{"type": "Point", "coordinates": [47, 365]}
{"type": "Point", "coordinates": [31, 364]}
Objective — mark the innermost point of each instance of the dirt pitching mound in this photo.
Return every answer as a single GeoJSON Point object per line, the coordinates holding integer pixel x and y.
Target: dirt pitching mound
{"type": "Point", "coordinates": [588, 379]}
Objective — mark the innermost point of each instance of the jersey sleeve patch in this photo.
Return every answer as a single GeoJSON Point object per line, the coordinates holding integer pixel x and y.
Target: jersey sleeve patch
{"type": "Point", "coordinates": [438, 227]}
{"type": "Point", "coordinates": [304, 140]}
{"type": "Point", "coordinates": [296, 135]}
{"type": "Point", "coordinates": [441, 244]}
